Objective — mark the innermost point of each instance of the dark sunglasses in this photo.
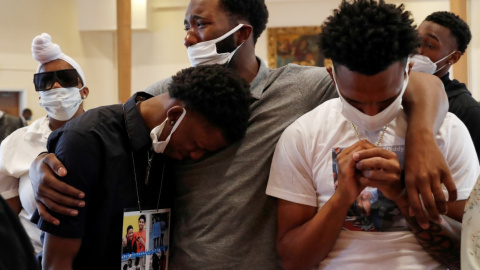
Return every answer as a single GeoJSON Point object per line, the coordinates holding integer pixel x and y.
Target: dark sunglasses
{"type": "Point", "coordinates": [66, 78]}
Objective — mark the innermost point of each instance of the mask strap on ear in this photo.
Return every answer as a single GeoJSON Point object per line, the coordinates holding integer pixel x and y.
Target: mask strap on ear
{"type": "Point", "coordinates": [445, 58]}
{"type": "Point", "coordinates": [178, 122]}
{"type": "Point", "coordinates": [235, 29]}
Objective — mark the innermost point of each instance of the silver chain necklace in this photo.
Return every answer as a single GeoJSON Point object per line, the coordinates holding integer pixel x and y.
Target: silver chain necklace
{"type": "Point", "coordinates": [147, 175]}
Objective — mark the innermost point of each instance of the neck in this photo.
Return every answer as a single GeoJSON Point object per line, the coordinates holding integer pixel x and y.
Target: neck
{"type": "Point", "coordinates": [442, 71]}
{"type": "Point", "coordinates": [154, 110]}
{"type": "Point", "coordinates": [55, 124]}
{"type": "Point", "coordinates": [245, 62]}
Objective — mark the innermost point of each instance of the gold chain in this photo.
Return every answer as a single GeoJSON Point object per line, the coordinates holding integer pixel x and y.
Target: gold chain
{"type": "Point", "coordinates": [379, 139]}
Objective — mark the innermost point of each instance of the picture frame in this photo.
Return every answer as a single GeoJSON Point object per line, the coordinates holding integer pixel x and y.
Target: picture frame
{"type": "Point", "coordinates": [298, 45]}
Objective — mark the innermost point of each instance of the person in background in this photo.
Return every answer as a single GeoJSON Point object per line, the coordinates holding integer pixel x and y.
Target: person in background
{"type": "Point", "coordinates": [226, 190]}
{"type": "Point", "coordinates": [26, 116]}
{"type": "Point", "coordinates": [60, 83]}
{"type": "Point", "coordinates": [320, 226]}
{"type": "Point", "coordinates": [8, 124]}
{"type": "Point", "coordinates": [445, 37]}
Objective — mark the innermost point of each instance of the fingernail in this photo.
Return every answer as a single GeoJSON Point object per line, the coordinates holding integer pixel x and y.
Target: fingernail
{"type": "Point", "coordinates": [81, 204]}
{"type": "Point", "coordinates": [425, 226]}
{"type": "Point", "coordinates": [56, 222]}
{"type": "Point", "coordinates": [355, 156]}
{"type": "Point", "coordinates": [62, 171]}
{"type": "Point", "coordinates": [74, 213]}
{"type": "Point", "coordinates": [81, 195]}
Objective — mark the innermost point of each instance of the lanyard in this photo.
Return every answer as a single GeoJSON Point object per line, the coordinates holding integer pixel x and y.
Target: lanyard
{"type": "Point", "coordinates": [147, 175]}
{"type": "Point", "coordinates": [149, 166]}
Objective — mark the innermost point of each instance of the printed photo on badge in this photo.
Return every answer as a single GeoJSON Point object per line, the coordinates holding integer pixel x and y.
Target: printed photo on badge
{"type": "Point", "coordinates": [145, 239]}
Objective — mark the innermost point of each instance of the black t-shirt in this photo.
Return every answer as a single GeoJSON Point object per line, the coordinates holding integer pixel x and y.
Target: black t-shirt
{"type": "Point", "coordinates": [465, 107]}
{"type": "Point", "coordinates": [99, 149]}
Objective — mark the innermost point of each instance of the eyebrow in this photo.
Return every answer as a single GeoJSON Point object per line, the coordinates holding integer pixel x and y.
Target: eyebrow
{"type": "Point", "coordinates": [195, 17]}
{"type": "Point", "coordinates": [434, 37]}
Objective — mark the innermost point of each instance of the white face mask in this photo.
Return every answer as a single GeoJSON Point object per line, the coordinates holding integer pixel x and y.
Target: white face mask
{"type": "Point", "coordinates": [61, 103]}
{"type": "Point", "coordinates": [423, 64]}
{"type": "Point", "coordinates": [205, 53]}
{"type": "Point", "coordinates": [377, 121]}
{"type": "Point", "coordinates": [159, 146]}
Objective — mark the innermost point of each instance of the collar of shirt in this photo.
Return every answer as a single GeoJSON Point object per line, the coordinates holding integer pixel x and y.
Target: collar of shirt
{"type": "Point", "coordinates": [258, 84]}
{"type": "Point", "coordinates": [137, 130]}
{"type": "Point", "coordinates": [39, 127]}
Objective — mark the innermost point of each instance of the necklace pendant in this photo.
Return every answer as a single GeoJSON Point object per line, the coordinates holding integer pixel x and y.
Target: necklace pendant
{"type": "Point", "coordinates": [149, 166]}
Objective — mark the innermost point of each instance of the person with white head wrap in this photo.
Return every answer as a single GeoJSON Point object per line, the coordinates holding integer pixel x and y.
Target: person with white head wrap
{"type": "Point", "coordinates": [58, 88]}
{"type": "Point", "coordinates": [44, 51]}
{"type": "Point", "coordinates": [60, 82]}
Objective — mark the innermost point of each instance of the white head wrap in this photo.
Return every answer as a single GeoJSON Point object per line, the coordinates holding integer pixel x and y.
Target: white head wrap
{"type": "Point", "coordinates": [44, 51]}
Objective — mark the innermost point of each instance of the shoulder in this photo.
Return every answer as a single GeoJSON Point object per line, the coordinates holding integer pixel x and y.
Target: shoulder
{"type": "Point", "coordinates": [298, 73]}
{"type": "Point", "coordinates": [159, 87]}
{"type": "Point", "coordinates": [92, 118]}
{"type": "Point", "coordinates": [16, 136]}
{"type": "Point", "coordinates": [321, 119]}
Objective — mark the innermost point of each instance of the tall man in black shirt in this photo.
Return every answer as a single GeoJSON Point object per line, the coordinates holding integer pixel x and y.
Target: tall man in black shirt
{"type": "Point", "coordinates": [445, 37]}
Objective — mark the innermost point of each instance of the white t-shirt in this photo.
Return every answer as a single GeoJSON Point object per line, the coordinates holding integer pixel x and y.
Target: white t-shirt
{"type": "Point", "coordinates": [374, 235]}
{"type": "Point", "coordinates": [17, 153]}
{"type": "Point", "coordinates": [470, 248]}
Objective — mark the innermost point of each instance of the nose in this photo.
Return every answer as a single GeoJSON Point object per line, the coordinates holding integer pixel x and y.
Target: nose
{"type": "Point", "coordinates": [197, 154]}
{"type": "Point", "coordinates": [56, 84]}
{"type": "Point", "coordinates": [420, 50]}
{"type": "Point", "coordinates": [190, 39]}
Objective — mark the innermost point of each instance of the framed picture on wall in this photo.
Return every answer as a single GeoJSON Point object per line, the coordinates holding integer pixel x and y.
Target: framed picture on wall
{"type": "Point", "coordinates": [298, 45]}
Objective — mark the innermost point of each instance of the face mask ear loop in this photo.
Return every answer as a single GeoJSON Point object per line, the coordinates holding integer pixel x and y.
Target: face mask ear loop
{"type": "Point", "coordinates": [178, 122]}
{"type": "Point", "coordinates": [441, 61]}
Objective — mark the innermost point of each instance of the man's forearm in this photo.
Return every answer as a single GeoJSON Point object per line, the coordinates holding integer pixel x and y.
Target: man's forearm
{"type": "Point", "coordinates": [440, 240]}
{"type": "Point", "coordinates": [425, 102]}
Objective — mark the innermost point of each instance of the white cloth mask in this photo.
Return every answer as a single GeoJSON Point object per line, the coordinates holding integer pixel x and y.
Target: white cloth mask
{"type": "Point", "coordinates": [61, 103]}
{"type": "Point", "coordinates": [159, 146]}
{"type": "Point", "coordinates": [422, 63]}
{"type": "Point", "coordinates": [372, 122]}
{"type": "Point", "coordinates": [205, 53]}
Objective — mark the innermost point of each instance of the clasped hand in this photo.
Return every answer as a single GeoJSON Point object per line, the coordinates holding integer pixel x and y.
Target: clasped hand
{"type": "Point", "coordinates": [362, 165]}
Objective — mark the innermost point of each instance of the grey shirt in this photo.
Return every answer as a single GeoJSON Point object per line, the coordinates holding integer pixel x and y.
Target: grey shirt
{"type": "Point", "coordinates": [222, 218]}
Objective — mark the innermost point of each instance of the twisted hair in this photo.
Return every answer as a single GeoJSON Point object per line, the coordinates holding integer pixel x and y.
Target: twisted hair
{"type": "Point", "coordinates": [367, 36]}
{"type": "Point", "coordinates": [217, 93]}
{"type": "Point", "coordinates": [455, 24]}
{"type": "Point", "coordinates": [254, 11]}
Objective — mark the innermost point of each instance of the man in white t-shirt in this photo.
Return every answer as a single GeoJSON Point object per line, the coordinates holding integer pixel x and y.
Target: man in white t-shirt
{"type": "Point", "coordinates": [337, 170]}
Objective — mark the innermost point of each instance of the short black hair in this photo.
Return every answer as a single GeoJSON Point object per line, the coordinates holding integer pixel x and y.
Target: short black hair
{"type": "Point", "coordinates": [455, 24]}
{"type": "Point", "coordinates": [254, 11]}
{"type": "Point", "coordinates": [142, 217]}
{"type": "Point", "coordinates": [129, 227]}
{"type": "Point", "coordinates": [217, 93]}
{"type": "Point", "coordinates": [368, 36]}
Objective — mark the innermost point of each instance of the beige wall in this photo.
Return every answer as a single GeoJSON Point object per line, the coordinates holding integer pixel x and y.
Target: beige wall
{"type": "Point", "coordinates": [157, 53]}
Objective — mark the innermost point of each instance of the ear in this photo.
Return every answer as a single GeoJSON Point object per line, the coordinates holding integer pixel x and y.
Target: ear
{"type": "Point", "coordinates": [455, 57]}
{"type": "Point", "coordinates": [330, 72]}
{"type": "Point", "coordinates": [173, 114]}
{"type": "Point", "coordinates": [410, 65]}
{"type": "Point", "coordinates": [243, 33]}
{"type": "Point", "coordinates": [84, 92]}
